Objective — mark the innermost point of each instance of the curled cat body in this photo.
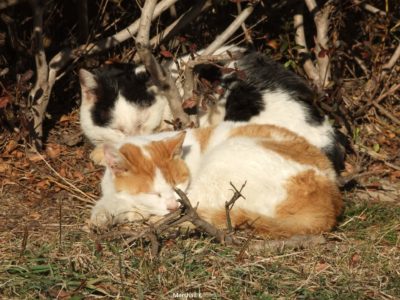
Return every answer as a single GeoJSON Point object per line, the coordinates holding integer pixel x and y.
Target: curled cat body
{"type": "Point", "coordinates": [290, 184]}
{"type": "Point", "coordinates": [256, 89]}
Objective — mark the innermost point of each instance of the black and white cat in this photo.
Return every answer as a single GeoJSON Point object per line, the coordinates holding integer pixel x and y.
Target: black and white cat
{"type": "Point", "coordinates": [118, 102]}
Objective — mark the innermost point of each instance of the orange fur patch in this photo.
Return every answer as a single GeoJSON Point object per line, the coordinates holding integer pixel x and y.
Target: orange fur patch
{"type": "Point", "coordinates": [166, 156]}
{"type": "Point", "coordinates": [261, 131]}
{"type": "Point", "coordinates": [139, 171]}
{"type": "Point", "coordinates": [203, 136]}
{"type": "Point", "coordinates": [312, 206]}
{"type": "Point", "coordinates": [293, 147]}
{"type": "Point", "coordinates": [300, 151]}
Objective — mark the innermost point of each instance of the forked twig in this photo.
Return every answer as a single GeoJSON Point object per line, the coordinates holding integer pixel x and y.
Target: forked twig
{"type": "Point", "coordinates": [229, 204]}
{"type": "Point", "coordinates": [187, 213]}
{"type": "Point", "coordinates": [162, 79]}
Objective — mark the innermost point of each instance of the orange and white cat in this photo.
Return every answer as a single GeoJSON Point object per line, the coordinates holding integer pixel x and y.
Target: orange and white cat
{"type": "Point", "coordinates": [290, 184]}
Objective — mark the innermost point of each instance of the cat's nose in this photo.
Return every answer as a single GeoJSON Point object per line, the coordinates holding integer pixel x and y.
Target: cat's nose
{"type": "Point", "coordinates": [172, 204]}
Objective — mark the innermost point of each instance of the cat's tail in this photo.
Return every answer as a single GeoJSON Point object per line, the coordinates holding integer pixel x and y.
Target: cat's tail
{"type": "Point", "coordinates": [312, 207]}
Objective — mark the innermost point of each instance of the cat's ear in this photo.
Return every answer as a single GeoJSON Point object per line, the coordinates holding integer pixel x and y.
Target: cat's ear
{"type": "Point", "coordinates": [114, 160]}
{"type": "Point", "coordinates": [88, 84]}
{"type": "Point", "coordinates": [174, 145]}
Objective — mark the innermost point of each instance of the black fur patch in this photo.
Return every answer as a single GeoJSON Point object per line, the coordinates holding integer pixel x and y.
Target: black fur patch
{"type": "Point", "coordinates": [114, 79]}
{"type": "Point", "coordinates": [243, 102]}
{"type": "Point", "coordinates": [337, 152]}
{"type": "Point", "coordinates": [258, 74]}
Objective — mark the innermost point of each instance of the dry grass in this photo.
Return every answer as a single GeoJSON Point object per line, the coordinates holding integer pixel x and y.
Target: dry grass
{"type": "Point", "coordinates": [44, 256]}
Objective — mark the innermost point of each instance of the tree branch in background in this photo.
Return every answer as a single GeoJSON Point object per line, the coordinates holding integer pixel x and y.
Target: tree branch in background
{"type": "Point", "coordinates": [181, 22]}
{"type": "Point", "coordinates": [160, 77]}
{"type": "Point", "coordinates": [47, 73]}
{"type": "Point", "coordinates": [321, 20]}
{"type": "Point", "coordinates": [246, 32]}
{"type": "Point", "coordinates": [205, 57]}
{"type": "Point", "coordinates": [223, 37]}
{"type": "Point", "coordinates": [300, 40]}
{"type": "Point", "coordinates": [40, 93]}
{"type": "Point", "coordinates": [7, 3]}
{"type": "Point", "coordinates": [370, 8]}
{"type": "Point", "coordinates": [396, 55]}
{"type": "Point", "coordinates": [189, 84]}
{"type": "Point", "coordinates": [320, 73]}
{"type": "Point", "coordinates": [389, 65]}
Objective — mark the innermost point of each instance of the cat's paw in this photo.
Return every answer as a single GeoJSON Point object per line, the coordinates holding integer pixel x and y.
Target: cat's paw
{"type": "Point", "coordinates": [100, 218]}
{"type": "Point", "coordinates": [97, 155]}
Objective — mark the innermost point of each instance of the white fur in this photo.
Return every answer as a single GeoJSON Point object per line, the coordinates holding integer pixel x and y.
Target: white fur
{"type": "Point", "coordinates": [130, 119]}
{"type": "Point", "coordinates": [290, 114]}
{"type": "Point", "coordinates": [120, 207]}
{"type": "Point", "coordinates": [226, 160]}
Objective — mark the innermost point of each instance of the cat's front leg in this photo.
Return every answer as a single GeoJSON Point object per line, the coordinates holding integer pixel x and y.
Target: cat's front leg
{"type": "Point", "coordinates": [102, 214]}
{"type": "Point", "coordinates": [97, 155]}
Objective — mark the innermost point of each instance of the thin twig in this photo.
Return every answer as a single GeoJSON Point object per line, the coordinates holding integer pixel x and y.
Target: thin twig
{"type": "Point", "coordinates": [229, 204]}
{"type": "Point", "coordinates": [300, 40]}
{"type": "Point", "coordinates": [181, 22]}
{"type": "Point", "coordinates": [63, 179]}
{"type": "Point", "coordinates": [389, 65]}
{"type": "Point", "coordinates": [188, 87]}
{"type": "Point", "coordinates": [224, 36]}
{"type": "Point", "coordinates": [244, 27]}
{"type": "Point", "coordinates": [161, 77]}
{"type": "Point", "coordinates": [382, 96]}
{"type": "Point", "coordinates": [187, 213]}
{"type": "Point", "coordinates": [39, 95]}
{"type": "Point", "coordinates": [370, 8]}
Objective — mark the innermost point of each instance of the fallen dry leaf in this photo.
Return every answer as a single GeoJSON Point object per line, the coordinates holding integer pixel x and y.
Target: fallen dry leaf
{"type": "Point", "coordinates": [4, 101]}
{"type": "Point", "coordinates": [4, 167]}
{"type": "Point", "coordinates": [321, 266]}
{"type": "Point", "coordinates": [11, 145]}
{"type": "Point", "coordinates": [53, 150]}
{"type": "Point", "coordinates": [355, 260]}
{"type": "Point", "coordinates": [35, 157]}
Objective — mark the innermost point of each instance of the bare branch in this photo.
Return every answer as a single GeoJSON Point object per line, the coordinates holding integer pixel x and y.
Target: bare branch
{"type": "Point", "coordinates": [8, 3]}
{"type": "Point", "coordinates": [295, 242]}
{"type": "Point", "coordinates": [187, 213]}
{"type": "Point", "coordinates": [300, 40]}
{"type": "Point", "coordinates": [60, 60]}
{"type": "Point", "coordinates": [143, 36]}
{"type": "Point", "coordinates": [202, 224]}
{"type": "Point", "coordinates": [181, 22]}
{"type": "Point", "coordinates": [311, 5]}
{"type": "Point", "coordinates": [188, 87]}
{"type": "Point", "coordinates": [161, 78]}
{"type": "Point", "coordinates": [389, 65]}
{"type": "Point", "coordinates": [39, 95]}
{"type": "Point", "coordinates": [320, 75]}
{"type": "Point", "coordinates": [246, 32]}
{"type": "Point", "coordinates": [370, 8]}
{"type": "Point", "coordinates": [229, 204]}
{"type": "Point", "coordinates": [47, 73]}
{"type": "Point", "coordinates": [321, 19]}
{"type": "Point", "coordinates": [223, 37]}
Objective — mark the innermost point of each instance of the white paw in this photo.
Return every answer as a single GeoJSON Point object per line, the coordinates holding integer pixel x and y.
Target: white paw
{"type": "Point", "coordinates": [97, 155]}
{"type": "Point", "coordinates": [100, 218]}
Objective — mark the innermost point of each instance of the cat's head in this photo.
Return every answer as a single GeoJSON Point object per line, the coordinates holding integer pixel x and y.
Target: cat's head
{"type": "Point", "coordinates": [150, 168]}
{"type": "Point", "coordinates": [117, 100]}
{"type": "Point", "coordinates": [105, 84]}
